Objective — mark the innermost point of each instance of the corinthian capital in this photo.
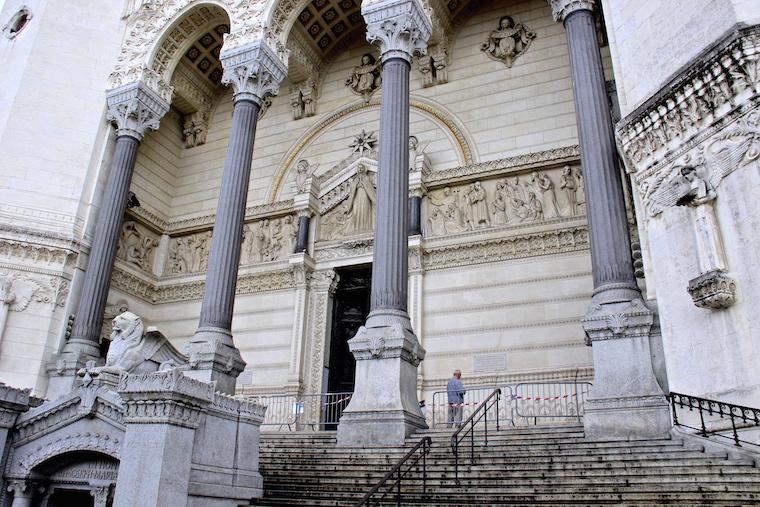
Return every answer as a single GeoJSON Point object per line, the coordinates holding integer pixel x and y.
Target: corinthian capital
{"type": "Point", "coordinates": [561, 9]}
{"type": "Point", "coordinates": [401, 28]}
{"type": "Point", "coordinates": [134, 108]}
{"type": "Point", "coordinates": [254, 70]}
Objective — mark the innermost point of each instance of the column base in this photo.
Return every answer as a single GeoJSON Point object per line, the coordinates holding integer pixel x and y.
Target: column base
{"type": "Point", "coordinates": [213, 357]}
{"type": "Point", "coordinates": [627, 401]}
{"type": "Point", "coordinates": [383, 410]}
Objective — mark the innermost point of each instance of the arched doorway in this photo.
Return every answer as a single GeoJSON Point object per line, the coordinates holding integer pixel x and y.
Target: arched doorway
{"type": "Point", "coordinates": [82, 479]}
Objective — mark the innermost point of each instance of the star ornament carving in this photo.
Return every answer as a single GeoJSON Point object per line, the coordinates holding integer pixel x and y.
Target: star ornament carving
{"type": "Point", "coordinates": [363, 143]}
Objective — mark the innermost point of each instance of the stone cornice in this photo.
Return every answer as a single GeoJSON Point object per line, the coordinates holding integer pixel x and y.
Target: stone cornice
{"type": "Point", "coordinates": [555, 156]}
{"type": "Point", "coordinates": [149, 289]}
{"type": "Point", "coordinates": [162, 226]}
{"type": "Point", "coordinates": [512, 247]}
{"type": "Point", "coordinates": [717, 84]}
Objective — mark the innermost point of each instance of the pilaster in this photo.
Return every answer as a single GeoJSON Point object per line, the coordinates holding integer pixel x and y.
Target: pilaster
{"type": "Point", "coordinates": [303, 267]}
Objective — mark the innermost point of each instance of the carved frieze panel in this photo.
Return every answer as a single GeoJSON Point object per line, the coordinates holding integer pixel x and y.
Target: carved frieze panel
{"type": "Point", "coordinates": [137, 245]}
{"type": "Point", "coordinates": [189, 254]}
{"type": "Point", "coordinates": [19, 289]}
{"type": "Point", "coordinates": [269, 239]}
{"type": "Point", "coordinates": [516, 199]}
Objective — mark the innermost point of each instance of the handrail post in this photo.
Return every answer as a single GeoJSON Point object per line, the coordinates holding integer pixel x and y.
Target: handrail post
{"type": "Point", "coordinates": [702, 420]}
{"type": "Point", "coordinates": [424, 467]}
{"type": "Point", "coordinates": [497, 410]}
{"type": "Point", "coordinates": [472, 442]}
{"type": "Point", "coordinates": [675, 414]}
{"type": "Point", "coordinates": [485, 425]}
{"type": "Point", "coordinates": [733, 425]}
{"type": "Point", "coordinates": [398, 488]}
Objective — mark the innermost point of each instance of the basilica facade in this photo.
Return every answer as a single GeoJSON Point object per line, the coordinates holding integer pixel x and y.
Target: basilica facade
{"type": "Point", "coordinates": [362, 196]}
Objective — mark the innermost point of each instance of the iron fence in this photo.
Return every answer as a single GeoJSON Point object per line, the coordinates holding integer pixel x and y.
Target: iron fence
{"type": "Point", "coordinates": [526, 403]}
{"type": "Point", "coordinates": [304, 411]}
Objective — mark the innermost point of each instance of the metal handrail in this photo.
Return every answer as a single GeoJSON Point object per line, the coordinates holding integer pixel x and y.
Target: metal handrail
{"type": "Point", "coordinates": [493, 399]}
{"type": "Point", "coordinates": [426, 443]}
{"type": "Point", "coordinates": [748, 415]}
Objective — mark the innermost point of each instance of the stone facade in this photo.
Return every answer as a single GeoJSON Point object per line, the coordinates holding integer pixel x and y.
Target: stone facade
{"type": "Point", "coordinates": [501, 265]}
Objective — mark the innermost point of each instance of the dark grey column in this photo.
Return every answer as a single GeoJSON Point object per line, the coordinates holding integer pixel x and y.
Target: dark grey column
{"type": "Point", "coordinates": [133, 109]}
{"type": "Point", "coordinates": [92, 302]}
{"type": "Point", "coordinates": [626, 401]}
{"type": "Point", "coordinates": [415, 215]}
{"type": "Point", "coordinates": [302, 240]}
{"type": "Point", "coordinates": [224, 258]}
{"type": "Point", "coordinates": [389, 269]}
{"type": "Point", "coordinates": [254, 71]}
{"type": "Point", "coordinates": [608, 225]}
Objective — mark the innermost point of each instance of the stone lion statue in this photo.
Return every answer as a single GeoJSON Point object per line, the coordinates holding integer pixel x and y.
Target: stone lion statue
{"type": "Point", "coordinates": [135, 351]}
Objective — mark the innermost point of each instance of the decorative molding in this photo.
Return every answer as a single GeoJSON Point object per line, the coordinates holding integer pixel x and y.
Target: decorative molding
{"type": "Point", "coordinates": [720, 85]}
{"type": "Point", "coordinates": [18, 290]}
{"type": "Point", "coordinates": [94, 442]}
{"type": "Point", "coordinates": [400, 28]}
{"type": "Point", "coordinates": [514, 247]}
{"type": "Point", "coordinates": [561, 9]}
{"type": "Point", "coordinates": [135, 108]}
{"type": "Point", "coordinates": [464, 145]}
{"type": "Point", "coordinates": [152, 291]}
{"type": "Point", "coordinates": [255, 70]}
{"type": "Point", "coordinates": [564, 155]}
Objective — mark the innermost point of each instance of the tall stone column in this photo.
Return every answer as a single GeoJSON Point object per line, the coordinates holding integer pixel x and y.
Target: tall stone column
{"type": "Point", "coordinates": [254, 71]}
{"type": "Point", "coordinates": [626, 401]}
{"type": "Point", "coordinates": [384, 407]}
{"type": "Point", "coordinates": [133, 109]}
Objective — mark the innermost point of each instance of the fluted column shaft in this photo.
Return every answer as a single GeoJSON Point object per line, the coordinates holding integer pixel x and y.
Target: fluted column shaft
{"type": "Point", "coordinates": [611, 260]}
{"type": "Point", "coordinates": [389, 268]}
{"type": "Point", "coordinates": [92, 302]}
{"type": "Point", "coordinates": [224, 258]}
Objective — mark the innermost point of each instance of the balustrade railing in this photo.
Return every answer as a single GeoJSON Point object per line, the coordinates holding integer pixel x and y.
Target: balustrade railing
{"type": "Point", "coordinates": [401, 471]}
{"type": "Point", "coordinates": [714, 417]}
{"type": "Point", "coordinates": [468, 428]}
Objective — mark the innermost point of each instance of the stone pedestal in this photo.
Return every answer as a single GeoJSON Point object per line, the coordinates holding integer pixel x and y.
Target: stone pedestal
{"type": "Point", "coordinates": [384, 409]}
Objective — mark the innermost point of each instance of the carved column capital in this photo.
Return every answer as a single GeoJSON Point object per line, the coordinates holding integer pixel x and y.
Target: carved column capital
{"type": "Point", "coordinates": [254, 71]}
{"type": "Point", "coordinates": [400, 28]}
{"type": "Point", "coordinates": [135, 108]}
{"type": "Point", "coordinates": [561, 9]}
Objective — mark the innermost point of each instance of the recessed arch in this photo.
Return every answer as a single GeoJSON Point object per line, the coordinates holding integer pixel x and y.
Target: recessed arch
{"type": "Point", "coordinates": [461, 139]}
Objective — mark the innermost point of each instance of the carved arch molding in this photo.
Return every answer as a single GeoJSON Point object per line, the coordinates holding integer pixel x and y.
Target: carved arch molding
{"type": "Point", "coordinates": [460, 138]}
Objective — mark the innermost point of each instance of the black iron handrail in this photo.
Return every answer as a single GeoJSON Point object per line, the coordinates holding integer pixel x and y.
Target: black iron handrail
{"type": "Point", "coordinates": [460, 434]}
{"type": "Point", "coordinates": [426, 443]}
{"type": "Point", "coordinates": [747, 415]}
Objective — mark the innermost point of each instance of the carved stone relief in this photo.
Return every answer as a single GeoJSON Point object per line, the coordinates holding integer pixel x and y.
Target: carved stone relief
{"type": "Point", "coordinates": [303, 171]}
{"type": "Point", "coordinates": [508, 41]}
{"type": "Point", "coordinates": [351, 206]}
{"type": "Point", "coordinates": [189, 254]}
{"type": "Point", "coordinates": [365, 78]}
{"type": "Point", "coordinates": [510, 200]}
{"type": "Point", "coordinates": [195, 128]}
{"type": "Point", "coordinates": [269, 239]}
{"type": "Point", "coordinates": [18, 290]}
{"type": "Point", "coordinates": [137, 245]}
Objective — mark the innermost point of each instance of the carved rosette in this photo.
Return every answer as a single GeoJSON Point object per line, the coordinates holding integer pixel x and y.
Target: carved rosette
{"type": "Point", "coordinates": [254, 71]}
{"type": "Point", "coordinates": [561, 9]}
{"type": "Point", "coordinates": [135, 108]}
{"type": "Point", "coordinates": [715, 290]}
{"type": "Point", "coordinates": [400, 28]}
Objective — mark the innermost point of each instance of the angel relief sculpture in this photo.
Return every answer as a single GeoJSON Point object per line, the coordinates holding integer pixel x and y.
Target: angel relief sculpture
{"type": "Point", "coordinates": [508, 42]}
{"type": "Point", "coordinates": [365, 78]}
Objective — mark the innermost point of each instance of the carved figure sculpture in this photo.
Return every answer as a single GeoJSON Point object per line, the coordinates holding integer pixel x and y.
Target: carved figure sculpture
{"type": "Point", "coordinates": [535, 209]}
{"type": "Point", "coordinates": [545, 188]}
{"type": "Point", "coordinates": [134, 247]}
{"type": "Point", "coordinates": [476, 199]}
{"type": "Point", "coordinates": [303, 171]}
{"type": "Point", "coordinates": [568, 183]}
{"type": "Point", "coordinates": [508, 42]}
{"type": "Point", "coordinates": [361, 203]}
{"type": "Point", "coordinates": [365, 78]}
{"type": "Point", "coordinates": [500, 209]}
{"type": "Point", "coordinates": [134, 351]}
{"type": "Point", "coordinates": [289, 233]}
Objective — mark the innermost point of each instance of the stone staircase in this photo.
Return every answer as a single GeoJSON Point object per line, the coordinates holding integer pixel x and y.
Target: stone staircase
{"type": "Point", "coordinates": [543, 465]}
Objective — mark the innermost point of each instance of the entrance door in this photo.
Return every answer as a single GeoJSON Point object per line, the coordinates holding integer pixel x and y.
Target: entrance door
{"type": "Point", "coordinates": [350, 310]}
{"type": "Point", "coordinates": [70, 498]}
